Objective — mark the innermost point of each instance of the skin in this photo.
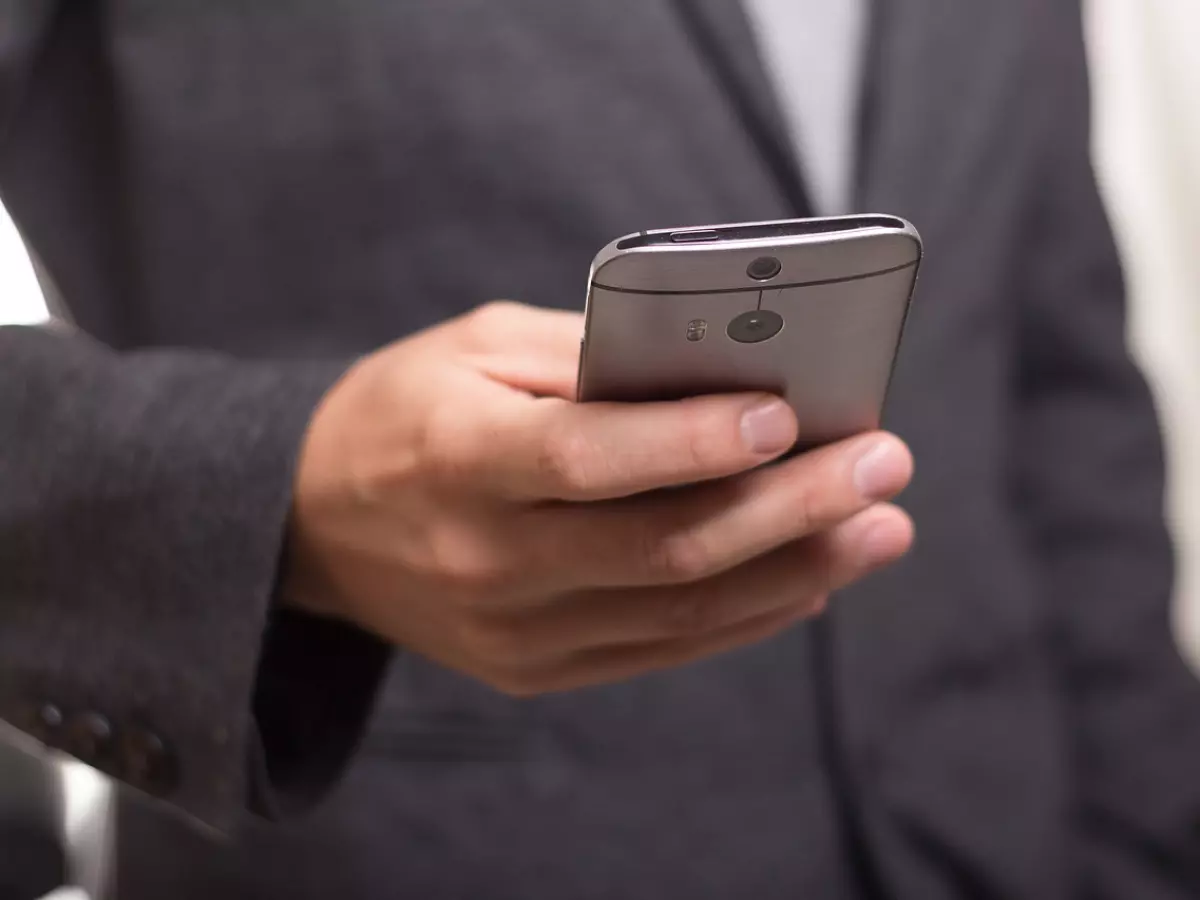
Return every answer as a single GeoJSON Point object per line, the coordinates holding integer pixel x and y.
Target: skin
{"type": "Point", "coordinates": [451, 498]}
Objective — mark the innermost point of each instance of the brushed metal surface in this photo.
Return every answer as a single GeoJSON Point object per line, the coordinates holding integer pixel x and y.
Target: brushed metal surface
{"type": "Point", "coordinates": [832, 361]}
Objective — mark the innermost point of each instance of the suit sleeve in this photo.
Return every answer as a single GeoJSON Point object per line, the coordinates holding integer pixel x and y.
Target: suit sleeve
{"type": "Point", "coordinates": [144, 500]}
{"type": "Point", "coordinates": [24, 25]}
{"type": "Point", "coordinates": [1090, 490]}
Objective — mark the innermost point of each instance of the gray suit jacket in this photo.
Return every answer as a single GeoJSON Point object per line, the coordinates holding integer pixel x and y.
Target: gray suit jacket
{"type": "Point", "coordinates": [236, 199]}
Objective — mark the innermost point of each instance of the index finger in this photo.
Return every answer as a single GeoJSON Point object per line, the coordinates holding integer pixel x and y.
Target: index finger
{"type": "Point", "coordinates": [551, 449]}
{"type": "Point", "coordinates": [506, 327]}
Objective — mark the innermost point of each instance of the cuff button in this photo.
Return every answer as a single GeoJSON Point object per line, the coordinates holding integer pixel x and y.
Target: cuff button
{"type": "Point", "coordinates": [146, 762]}
{"type": "Point", "coordinates": [44, 723]}
{"type": "Point", "coordinates": [88, 737]}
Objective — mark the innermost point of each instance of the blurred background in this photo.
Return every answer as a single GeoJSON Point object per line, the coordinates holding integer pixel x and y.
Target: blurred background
{"type": "Point", "coordinates": [1146, 77]}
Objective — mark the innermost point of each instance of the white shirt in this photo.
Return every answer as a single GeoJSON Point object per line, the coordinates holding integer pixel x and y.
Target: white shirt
{"type": "Point", "coordinates": [814, 50]}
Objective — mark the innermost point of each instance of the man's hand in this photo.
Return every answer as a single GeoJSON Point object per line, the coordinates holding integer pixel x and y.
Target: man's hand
{"type": "Point", "coordinates": [451, 498]}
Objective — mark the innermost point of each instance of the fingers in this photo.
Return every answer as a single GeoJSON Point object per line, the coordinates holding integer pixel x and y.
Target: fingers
{"type": "Point", "coordinates": [539, 375]}
{"type": "Point", "coordinates": [872, 540]}
{"type": "Point", "coordinates": [506, 328]}
{"type": "Point", "coordinates": [691, 535]}
{"type": "Point", "coordinates": [799, 575]}
{"type": "Point", "coordinates": [622, 664]}
{"type": "Point", "coordinates": [554, 450]}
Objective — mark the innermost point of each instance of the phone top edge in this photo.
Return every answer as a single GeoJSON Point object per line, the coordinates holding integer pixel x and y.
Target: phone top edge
{"type": "Point", "coordinates": [657, 243]}
{"type": "Point", "coordinates": [871, 226]}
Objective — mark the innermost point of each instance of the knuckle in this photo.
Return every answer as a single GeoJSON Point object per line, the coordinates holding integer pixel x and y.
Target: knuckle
{"type": "Point", "coordinates": [482, 326]}
{"type": "Point", "coordinates": [689, 615]}
{"type": "Point", "coordinates": [822, 492]}
{"type": "Point", "coordinates": [458, 561]}
{"type": "Point", "coordinates": [563, 462]}
{"type": "Point", "coordinates": [448, 445]}
{"type": "Point", "coordinates": [810, 508]}
{"type": "Point", "coordinates": [705, 447]}
{"type": "Point", "coordinates": [677, 557]}
{"type": "Point", "coordinates": [495, 309]}
{"type": "Point", "coordinates": [440, 432]}
{"type": "Point", "coordinates": [491, 314]}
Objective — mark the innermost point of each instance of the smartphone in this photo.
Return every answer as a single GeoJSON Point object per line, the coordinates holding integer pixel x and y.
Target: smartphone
{"type": "Point", "coordinates": [811, 310]}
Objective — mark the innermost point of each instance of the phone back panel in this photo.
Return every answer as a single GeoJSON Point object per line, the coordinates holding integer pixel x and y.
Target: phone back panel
{"type": "Point", "coordinates": [652, 336]}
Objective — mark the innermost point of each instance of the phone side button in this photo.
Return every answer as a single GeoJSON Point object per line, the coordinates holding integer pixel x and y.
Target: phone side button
{"type": "Point", "coordinates": [694, 237]}
{"type": "Point", "coordinates": [579, 372]}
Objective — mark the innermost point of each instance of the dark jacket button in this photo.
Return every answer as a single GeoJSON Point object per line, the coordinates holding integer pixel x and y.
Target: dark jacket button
{"type": "Point", "coordinates": [145, 761]}
{"type": "Point", "coordinates": [43, 722]}
{"type": "Point", "coordinates": [88, 737]}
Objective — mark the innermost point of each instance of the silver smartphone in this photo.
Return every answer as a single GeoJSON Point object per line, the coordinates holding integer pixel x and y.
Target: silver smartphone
{"type": "Point", "coordinates": [811, 310]}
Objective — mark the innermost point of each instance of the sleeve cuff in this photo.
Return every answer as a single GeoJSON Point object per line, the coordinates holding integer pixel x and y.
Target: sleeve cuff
{"type": "Point", "coordinates": [316, 690]}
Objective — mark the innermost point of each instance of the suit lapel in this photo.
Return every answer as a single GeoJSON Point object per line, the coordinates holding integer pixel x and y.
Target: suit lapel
{"type": "Point", "coordinates": [723, 37]}
{"type": "Point", "coordinates": [939, 78]}
{"type": "Point", "coordinates": [937, 92]}
{"type": "Point", "coordinates": [941, 99]}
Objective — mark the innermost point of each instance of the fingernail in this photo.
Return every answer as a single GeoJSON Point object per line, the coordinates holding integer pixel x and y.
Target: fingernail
{"type": "Point", "coordinates": [882, 471]}
{"type": "Point", "coordinates": [768, 427]}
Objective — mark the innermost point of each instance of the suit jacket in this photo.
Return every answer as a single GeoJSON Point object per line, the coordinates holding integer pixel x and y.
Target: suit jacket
{"type": "Point", "coordinates": [235, 200]}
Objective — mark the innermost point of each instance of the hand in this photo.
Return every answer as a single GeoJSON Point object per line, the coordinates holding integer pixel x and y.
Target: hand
{"type": "Point", "coordinates": [451, 498]}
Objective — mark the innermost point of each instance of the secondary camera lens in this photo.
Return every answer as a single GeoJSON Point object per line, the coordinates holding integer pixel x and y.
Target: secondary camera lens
{"type": "Point", "coordinates": [755, 326]}
{"type": "Point", "coordinates": [764, 268]}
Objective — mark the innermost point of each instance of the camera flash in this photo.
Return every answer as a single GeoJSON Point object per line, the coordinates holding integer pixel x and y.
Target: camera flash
{"type": "Point", "coordinates": [696, 330]}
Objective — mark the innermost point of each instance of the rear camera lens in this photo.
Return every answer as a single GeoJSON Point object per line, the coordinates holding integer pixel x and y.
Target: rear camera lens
{"type": "Point", "coordinates": [755, 326]}
{"type": "Point", "coordinates": [764, 268]}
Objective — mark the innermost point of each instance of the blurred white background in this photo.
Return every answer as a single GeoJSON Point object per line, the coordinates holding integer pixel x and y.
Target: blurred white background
{"type": "Point", "coordinates": [1146, 74]}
